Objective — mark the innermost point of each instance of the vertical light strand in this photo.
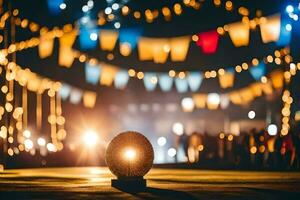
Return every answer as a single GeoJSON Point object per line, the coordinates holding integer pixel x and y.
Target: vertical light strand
{"type": "Point", "coordinates": [39, 108]}
{"type": "Point", "coordinates": [24, 105]}
{"type": "Point", "coordinates": [58, 105]}
{"type": "Point", "coordinates": [53, 119]}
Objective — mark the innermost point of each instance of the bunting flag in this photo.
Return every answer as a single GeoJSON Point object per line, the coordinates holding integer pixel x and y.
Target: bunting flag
{"type": "Point", "coordinates": [75, 96]}
{"type": "Point", "coordinates": [181, 85]}
{"type": "Point", "coordinates": [277, 79]}
{"type": "Point", "coordinates": [45, 46]}
{"type": "Point", "coordinates": [121, 79]}
{"type": "Point", "coordinates": [285, 32]}
{"type": "Point", "coordinates": [150, 81]}
{"type": "Point", "coordinates": [239, 33]}
{"type": "Point", "coordinates": [89, 99]}
{"type": "Point", "coordinates": [108, 39]}
{"type": "Point", "coordinates": [179, 47]}
{"type": "Point", "coordinates": [208, 41]}
{"type": "Point", "coordinates": [227, 79]}
{"type": "Point", "coordinates": [258, 71]}
{"type": "Point", "coordinates": [194, 80]}
{"type": "Point", "coordinates": [200, 100]}
{"type": "Point", "coordinates": [145, 49]}
{"type": "Point", "coordinates": [108, 74]}
{"type": "Point", "coordinates": [165, 82]}
{"type": "Point", "coordinates": [270, 29]}
{"type": "Point", "coordinates": [66, 53]}
{"type": "Point", "coordinates": [128, 39]}
{"type": "Point", "coordinates": [64, 91]}
{"type": "Point", "coordinates": [88, 38]}
{"type": "Point", "coordinates": [53, 6]}
{"type": "Point", "coordinates": [92, 73]}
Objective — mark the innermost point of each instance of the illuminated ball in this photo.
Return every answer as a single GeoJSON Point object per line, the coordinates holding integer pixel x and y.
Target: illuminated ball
{"type": "Point", "coordinates": [129, 154]}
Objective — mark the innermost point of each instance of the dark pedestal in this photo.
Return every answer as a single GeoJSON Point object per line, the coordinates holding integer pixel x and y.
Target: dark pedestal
{"type": "Point", "coordinates": [129, 184]}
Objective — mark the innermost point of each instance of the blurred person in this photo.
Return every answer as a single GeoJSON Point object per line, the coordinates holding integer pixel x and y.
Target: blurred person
{"type": "Point", "coordinates": [194, 147]}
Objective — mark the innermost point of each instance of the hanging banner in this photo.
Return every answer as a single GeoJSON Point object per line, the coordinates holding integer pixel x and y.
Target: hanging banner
{"type": "Point", "coordinates": [258, 71]}
{"type": "Point", "coordinates": [270, 29]}
{"type": "Point", "coordinates": [92, 73]}
{"type": "Point", "coordinates": [181, 85]}
{"type": "Point", "coordinates": [235, 98]}
{"type": "Point", "coordinates": [224, 101]}
{"type": "Point", "coordinates": [64, 91]}
{"type": "Point", "coordinates": [128, 38]}
{"type": "Point", "coordinates": [108, 74]}
{"type": "Point", "coordinates": [165, 82]}
{"type": "Point", "coordinates": [239, 33]}
{"type": "Point", "coordinates": [227, 79]}
{"type": "Point", "coordinates": [88, 38]}
{"type": "Point", "coordinates": [277, 79]}
{"type": "Point", "coordinates": [89, 99]}
{"type": "Point", "coordinates": [150, 81]}
{"type": "Point", "coordinates": [179, 47]}
{"type": "Point", "coordinates": [145, 49]}
{"type": "Point", "coordinates": [161, 49]}
{"type": "Point", "coordinates": [75, 96]}
{"type": "Point", "coordinates": [200, 100]}
{"type": "Point", "coordinates": [208, 41]}
{"type": "Point", "coordinates": [108, 39]}
{"type": "Point", "coordinates": [194, 80]}
{"type": "Point", "coordinates": [256, 89]}
{"type": "Point", "coordinates": [121, 79]}
{"type": "Point", "coordinates": [246, 95]}
{"type": "Point", "coordinates": [45, 46]}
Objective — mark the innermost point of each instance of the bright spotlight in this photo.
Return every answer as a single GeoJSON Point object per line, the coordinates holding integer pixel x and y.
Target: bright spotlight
{"type": "Point", "coordinates": [130, 154]}
{"type": "Point", "coordinates": [251, 114]}
{"type": "Point", "coordinates": [161, 141]}
{"type": "Point", "coordinates": [178, 128]}
{"type": "Point", "coordinates": [93, 36]}
{"type": "Point", "coordinates": [288, 27]}
{"type": "Point", "coordinates": [172, 152]}
{"type": "Point", "coordinates": [51, 147]}
{"type": "Point", "coordinates": [289, 9]}
{"type": "Point", "coordinates": [41, 141]}
{"type": "Point", "coordinates": [28, 144]}
{"type": "Point", "coordinates": [272, 129]}
{"type": "Point", "coordinates": [27, 133]}
{"type": "Point", "coordinates": [90, 138]}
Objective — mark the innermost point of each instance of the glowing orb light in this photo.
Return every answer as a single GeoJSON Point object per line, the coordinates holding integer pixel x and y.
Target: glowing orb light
{"type": "Point", "coordinates": [90, 138]}
{"type": "Point", "coordinates": [161, 141]}
{"type": "Point", "coordinates": [129, 156]}
{"type": "Point", "coordinates": [251, 114]}
{"type": "Point", "coordinates": [178, 128]}
{"type": "Point", "coordinates": [272, 129]}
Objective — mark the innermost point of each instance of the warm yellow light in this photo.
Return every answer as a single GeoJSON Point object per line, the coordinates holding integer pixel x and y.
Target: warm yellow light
{"type": "Point", "coordinates": [130, 154]}
{"type": "Point", "coordinates": [27, 133]}
{"type": "Point", "coordinates": [222, 136]}
{"type": "Point", "coordinates": [230, 137]}
{"type": "Point", "coordinates": [28, 144]}
{"type": "Point", "coordinates": [131, 72]}
{"type": "Point", "coordinates": [90, 138]}
{"type": "Point", "coordinates": [41, 141]}
{"type": "Point", "coordinates": [253, 149]}
{"type": "Point", "coordinates": [172, 73]}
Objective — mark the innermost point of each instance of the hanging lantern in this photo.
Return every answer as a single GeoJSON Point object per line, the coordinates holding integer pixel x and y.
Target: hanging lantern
{"type": "Point", "coordinates": [108, 39]}
{"type": "Point", "coordinates": [46, 46]}
{"type": "Point", "coordinates": [235, 98]}
{"type": "Point", "coordinates": [277, 79]}
{"type": "Point", "coordinates": [179, 48]}
{"type": "Point", "coordinates": [187, 104]}
{"type": "Point", "coordinates": [150, 81]}
{"type": "Point", "coordinates": [200, 100]}
{"type": "Point", "coordinates": [89, 99]}
{"type": "Point", "coordinates": [256, 89]}
{"type": "Point", "coordinates": [208, 41]}
{"type": "Point", "coordinates": [75, 96]}
{"type": "Point", "coordinates": [92, 73]}
{"type": "Point", "coordinates": [224, 103]}
{"type": "Point", "coordinates": [66, 53]}
{"type": "Point", "coordinates": [258, 71]}
{"type": "Point", "coordinates": [213, 101]}
{"type": "Point", "coordinates": [239, 33]}
{"type": "Point", "coordinates": [108, 74]}
{"type": "Point", "coordinates": [270, 29]}
{"type": "Point", "coordinates": [165, 82]}
{"type": "Point", "coordinates": [226, 80]}
{"type": "Point", "coordinates": [121, 79]}
{"type": "Point", "coordinates": [246, 95]}
{"type": "Point", "coordinates": [64, 91]}
{"type": "Point", "coordinates": [267, 88]}
{"type": "Point", "coordinates": [130, 37]}
{"type": "Point", "coordinates": [194, 80]}
{"type": "Point", "coordinates": [53, 6]}
{"type": "Point", "coordinates": [161, 49]}
{"type": "Point", "coordinates": [145, 49]}
{"type": "Point", "coordinates": [88, 38]}
{"type": "Point", "coordinates": [181, 85]}
{"type": "Point", "coordinates": [285, 31]}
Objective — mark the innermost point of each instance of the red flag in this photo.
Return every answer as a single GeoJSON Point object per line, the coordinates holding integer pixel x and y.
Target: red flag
{"type": "Point", "coordinates": [208, 41]}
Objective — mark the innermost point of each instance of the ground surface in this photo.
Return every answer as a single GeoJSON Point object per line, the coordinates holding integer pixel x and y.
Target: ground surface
{"type": "Point", "coordinates": [94, 183]}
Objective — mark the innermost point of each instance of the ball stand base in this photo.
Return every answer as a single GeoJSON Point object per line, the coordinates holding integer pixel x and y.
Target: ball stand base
{"type": "Point", "coordinates": [133, 185]}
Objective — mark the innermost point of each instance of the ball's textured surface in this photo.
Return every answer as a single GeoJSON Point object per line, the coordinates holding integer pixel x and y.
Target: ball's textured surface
{"type": "Point", "coordinates": [120, 149]}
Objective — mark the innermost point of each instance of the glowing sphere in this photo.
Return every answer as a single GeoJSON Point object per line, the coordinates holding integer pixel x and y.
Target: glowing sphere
{"type": "Point", "coordinates": [28, 144]}
{"type": "Point", "coordinates": [90, 138]}
{"type": "Point", "coordinates": [187, 104]}
{"type": "Point", "coordinates": [251, 114]}
{"type": "Point", "coordinates": [129, 154]}
{"type": "Point", "coordinates": [161, 141]}
{"type": "Point", "coordinates": [172, 152]}
{"type": "Point", "coordinates": [41, 141]}
{"type": "Point", "coordinates": [272, 129]}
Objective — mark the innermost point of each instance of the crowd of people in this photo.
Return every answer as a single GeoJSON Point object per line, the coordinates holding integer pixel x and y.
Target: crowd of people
{"type": "Point", "coordinates": [254, 149]}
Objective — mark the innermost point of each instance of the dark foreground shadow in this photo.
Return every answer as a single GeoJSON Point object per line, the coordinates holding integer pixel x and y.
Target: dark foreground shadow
{"type": "Point", "coordinates": [157, 193]}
